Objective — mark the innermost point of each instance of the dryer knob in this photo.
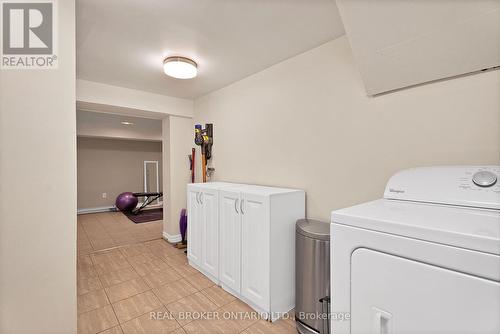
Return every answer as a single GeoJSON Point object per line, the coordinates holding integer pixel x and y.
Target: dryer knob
{"type": "Point", "coordinates": [484, 178]}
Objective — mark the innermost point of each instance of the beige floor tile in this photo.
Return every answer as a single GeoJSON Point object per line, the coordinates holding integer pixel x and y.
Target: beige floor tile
{"type": "Point", "coordinates": [133, 250]}
{"type": "Point", "coordinates": [164, 252]}
{"type": "Point", "coordinates": [143, 258]}
{"type": "Point", "coordinates": [141, 237]}
{"type": "Point", "coordinates": [146, 268]}
{"type": "Point", "coordinates": [171, 292]}
{"type": "Point", "coordinates": [96, 321]}
{"type": "Point", "coordinates": [218, 296]}
{"type": "Point", "coordinates": [199, 281]}
{"type": "Point", "coordinates": [85, 271]}
{"type": "Point", "coordinates": [185, 270]}
{"type": "Point", "coordinates": [114, 330]}
{"type": "Point", "coordinates": [240, 312]}
{"type": "Point", "coordinates": [83, 243]}
{"type": "Point", "coordinates": [83, 261]}
{"type": "Point", "coordinates": [92, 300]}
{"type": "Point", "coordinates": [107, 267]}
{"type": "Point", "coordinates": [111, 225]}
{"type": "Point", "coordinates": [123, 237]}
{"type": "Point", "coordinates": [94, 229]}
{"type": "Point", "coordinates": [266, 327]}
{"type": "Point", "coordinates": [190, 308]}
{"type": "Point", "coordinates": [99, 244]}
{"type": "Point", "coordinates": [155, 227]}
{"type": "Point", "coordinates": [104, 257]}
{"type": "Point", "coordinates": [219, 326]}
{"type": "Point", "coordinates": [109, 229]}
{"type": "Point", "coordinates": [84, 251]}
{"type": "Point", "coordinates": [146, 324]}
{"type": "Point", "coordinates": [128, 273]}
{"type": "Point", "coordinates": [80, 232]}
{"type": "Point", "coordinates": [96, 234]}
{"type": "Point", "coordinates": [158, 244]}
{"type": "Point", "coordinates": [135, 306]}
{"type": "Point", "coordinates": [126, 289]}
{"type": "Point", "coordinates": [156, 279]}
{"type": "Point", "coordinates": [118, 276]}
{"type": "Point", "coordinates": [290, 318]}
{"type": "Point", "coordinates": [85, 285]}
{"type": "Point", "coordinates": [176, 259]}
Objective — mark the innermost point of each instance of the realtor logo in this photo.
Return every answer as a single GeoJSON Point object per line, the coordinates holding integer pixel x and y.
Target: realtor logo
{"type": "Point", "coordinates": [28, 30]}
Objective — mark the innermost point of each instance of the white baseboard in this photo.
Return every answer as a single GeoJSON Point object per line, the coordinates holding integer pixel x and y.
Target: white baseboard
{"type": "Point", "coordinates": [95, 210]}
{"type": "Point", "coordinates": [112, 208]}
{"type": "Point", "coordinates": [172, 238]}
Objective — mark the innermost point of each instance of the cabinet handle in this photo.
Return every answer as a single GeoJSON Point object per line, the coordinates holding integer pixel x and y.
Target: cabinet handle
{"type": "Point", "coordinates": [201, 198]}
{"type": "Point", "coordinates": [381, 321]}
{"type": "Point", "coordinates": [241, 206]}
{"type": "Point", "coordinates": [197, 198]}
{"type": "Point", "coordinates": [236, 206]}
{"type": "Point", "coordinates": [325, 309]}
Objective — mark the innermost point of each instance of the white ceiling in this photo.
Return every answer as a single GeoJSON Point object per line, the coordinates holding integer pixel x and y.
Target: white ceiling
{"type": "Point", "coordinates": [101, 125]}
{"type": "Point", "coordinates": [123, 42]}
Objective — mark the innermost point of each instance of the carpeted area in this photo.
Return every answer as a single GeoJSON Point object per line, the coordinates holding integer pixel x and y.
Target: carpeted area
{"type": "Point", "coordinates": [145, 215]}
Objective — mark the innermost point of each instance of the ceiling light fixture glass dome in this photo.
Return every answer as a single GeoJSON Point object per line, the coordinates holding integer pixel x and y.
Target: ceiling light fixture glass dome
{"type": "Point", "coordinates": [180, 67]}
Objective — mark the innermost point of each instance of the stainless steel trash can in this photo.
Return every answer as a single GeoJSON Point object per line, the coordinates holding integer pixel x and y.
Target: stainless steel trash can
{"type": "Point", "coordinates": [312, 276]}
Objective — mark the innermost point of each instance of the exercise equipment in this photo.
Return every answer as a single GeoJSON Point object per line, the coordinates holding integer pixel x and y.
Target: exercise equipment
{"type": "Point", "coordinates": [126, 202]}
{"type": "Point", "coordinates": [183, 229]}
{"type": "Point", "coordinates": [192, 165]}
{"type": "Point", "coordinates": [204, 139]}
{"type": "Point", "coordinates": [149, 198]}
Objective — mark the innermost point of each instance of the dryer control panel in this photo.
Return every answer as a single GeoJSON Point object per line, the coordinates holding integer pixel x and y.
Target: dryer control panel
{"type": "Point", "coordinates": [471, 186]}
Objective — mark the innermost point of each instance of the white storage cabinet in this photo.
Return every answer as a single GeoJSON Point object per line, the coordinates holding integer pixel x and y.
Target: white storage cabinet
{"type": "Point", "coordinates": [243, 238]}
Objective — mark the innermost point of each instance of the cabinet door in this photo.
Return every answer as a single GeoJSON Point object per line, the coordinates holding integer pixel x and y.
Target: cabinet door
{"type": "Point", "coordinates": [210, 232]}
{"type": "Point", "coordinates": [194, 226]}
{"type": "Point", "coordinates": [255, 247]}
{"type": "Point", "coordinates": [230, 240]}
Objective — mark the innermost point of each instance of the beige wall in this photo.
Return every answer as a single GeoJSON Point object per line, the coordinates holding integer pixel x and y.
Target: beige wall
{"type": "Point", "coordinates": [307, 123]}
{"type": "Point", "coordinates": [112, 166]}
{"type": "Point", "coordinates": [108, 98]}
{"type": "Point", "coordinates": [38, 192]}
{"type": "Point", "coordinates": [178, 132]}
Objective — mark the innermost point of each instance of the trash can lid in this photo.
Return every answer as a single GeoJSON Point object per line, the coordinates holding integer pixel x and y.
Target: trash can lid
{"type": "Point", "coordinates": [313, 229]}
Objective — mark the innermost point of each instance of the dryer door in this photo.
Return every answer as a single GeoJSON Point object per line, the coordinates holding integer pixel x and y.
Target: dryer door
{"type": "Point", "coordinates": [390, 294]}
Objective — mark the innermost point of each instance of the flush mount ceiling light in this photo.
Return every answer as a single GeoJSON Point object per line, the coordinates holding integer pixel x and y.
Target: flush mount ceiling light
{"type": "Point", "coordinates": [180, 67]}
{"type": "Point", "coordinates": [127, 123]}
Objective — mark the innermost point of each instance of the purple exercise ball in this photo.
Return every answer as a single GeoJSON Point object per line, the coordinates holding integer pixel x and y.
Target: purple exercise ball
{"type": "Point", "coordinates": [126, 202]}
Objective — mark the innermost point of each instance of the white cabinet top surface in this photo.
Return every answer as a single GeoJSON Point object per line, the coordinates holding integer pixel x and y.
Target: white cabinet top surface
{"type": "Point", "coordinates": [261, 190]}
{"type": "Point", "coordinates": [212, 185]}
{"type": "Point", "coordinates": [248, 188]}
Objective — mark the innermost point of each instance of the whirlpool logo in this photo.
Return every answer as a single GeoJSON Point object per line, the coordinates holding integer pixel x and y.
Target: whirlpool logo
{"type": "Point", "coordinates": [28, 35]}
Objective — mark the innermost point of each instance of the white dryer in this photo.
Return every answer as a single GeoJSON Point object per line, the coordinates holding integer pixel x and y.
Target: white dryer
{"type": "Point", "coordinates": [424, 259]}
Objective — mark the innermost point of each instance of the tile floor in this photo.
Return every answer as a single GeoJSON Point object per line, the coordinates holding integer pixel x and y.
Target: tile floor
{"type": "Point", "coordinates": [100, 231]}
{"type": "Point", "coordinates": [147, 287]}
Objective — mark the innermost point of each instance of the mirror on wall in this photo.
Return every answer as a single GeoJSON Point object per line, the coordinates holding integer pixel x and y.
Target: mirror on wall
{"type": "Point", "coordinates": [151, 177]}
